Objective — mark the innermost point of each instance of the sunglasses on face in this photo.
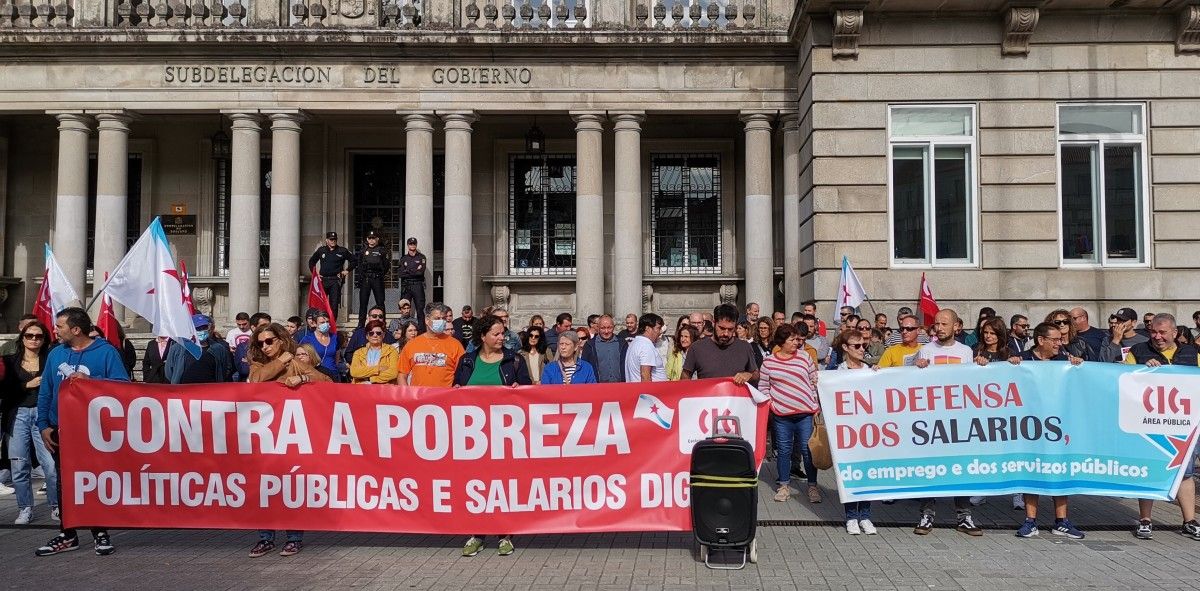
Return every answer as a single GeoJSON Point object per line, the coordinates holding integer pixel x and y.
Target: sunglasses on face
{"type": "Point", "coordinates": [377, 316]}
{"type": "Point", "coordinates": [375, 333]}
{"type": "Point", "coordinates": [267, 342]}
{"type": "Point", "coordinates": [34, 337]}
{"type": "Point", "coordinates": [864, 328]}
{"type": "Point", "coordinates": [857, 345]}
{"type": "Point", "coordinates": [909, 328]}
{"type": "Point", "coordinates": [1061, 322]}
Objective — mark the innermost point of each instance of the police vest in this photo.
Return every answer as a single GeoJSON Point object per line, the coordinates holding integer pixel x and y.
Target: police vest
{"type": "Point", "coordinates": [1184, 355]}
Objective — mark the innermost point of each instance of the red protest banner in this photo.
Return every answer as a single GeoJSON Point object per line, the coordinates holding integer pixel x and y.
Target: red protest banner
{"type": "Point", "coordinates": [534, 459]}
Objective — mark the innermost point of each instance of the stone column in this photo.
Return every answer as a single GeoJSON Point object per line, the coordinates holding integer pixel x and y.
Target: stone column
{"type": "Point", "coordinates": [418, 189]}
{"type": "Point", "coordinates": [757, 223]}
{"type": "Point", "coordinates": [791, 213]}
{"type": "Point", "coordinates": [459, 249]}
{"type": "Point", "coordinates": [244, 212]}
{"type": "Point", "coordinates": [627, 219]}
{"type": "Point", "coordinates": [589, 214]}
{"type": "Point", "coordinates": [112, 197]}
{"type": "Point", "coordinates": [283, 289]}
{"type": "Point", "coordinates": [71, 208]}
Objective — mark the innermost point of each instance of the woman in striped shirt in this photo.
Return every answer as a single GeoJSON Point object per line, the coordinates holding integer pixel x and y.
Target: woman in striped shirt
{"type": "Point", "coordinates": [789, 377]}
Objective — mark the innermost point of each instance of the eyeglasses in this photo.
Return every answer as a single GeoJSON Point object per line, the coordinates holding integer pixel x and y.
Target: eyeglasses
{"type": "Point", "coordinates": [267, 342]}
{"type": "Point", "coordinates": [857, 345]}
{"type": "Point", "coordinates": [535, 336]}
{"type": "Point", "coordinates": [375, 333]}
{"type": "Point", "coordinates": [34, 337]}
{"type": "Point", "coordinates": [377, 316]}
{"type": "Point", "coordinates": [909, 328]}
{"type": "Point", "coordinates": [1061, 322]}
{"type": "Point", "coordinates": [864, 328]}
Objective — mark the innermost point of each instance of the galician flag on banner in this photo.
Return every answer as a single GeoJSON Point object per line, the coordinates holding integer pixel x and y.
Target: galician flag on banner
{"type": "Point", "coordinates": [55, 294]}
{"type": "Point", "coordinates": [850, 290]}
{"type": "Point", "coordinates": [147, 282]}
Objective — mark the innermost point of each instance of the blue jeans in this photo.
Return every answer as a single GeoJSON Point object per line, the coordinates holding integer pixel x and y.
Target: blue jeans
{"type": "Point", "coordinates": [22, 444]}
{"type": "Point", "coordinates": [268, 535]}
{"type": "Point", "coordinates": [858, 510]}
{"type": "Point", "coordinates": [787, 430]}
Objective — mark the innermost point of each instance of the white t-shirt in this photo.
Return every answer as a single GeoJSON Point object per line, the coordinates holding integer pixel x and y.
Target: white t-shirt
{"type": "Point", "coordinates": [235, 336]}
{"type": "Point", "coordinates": [953, 354]}
{"type": "Point", "coordinates": [643, 352]}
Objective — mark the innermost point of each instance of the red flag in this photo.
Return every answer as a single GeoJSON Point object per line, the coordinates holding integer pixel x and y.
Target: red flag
{"type": "Point", "coordinates": [929, 306]}
{"type": "Point", "coordinates": [107, 321]}
{"type": "Point", "coordinates": [187, 289]}
{"type": "Point", "coordinates": [317, 299]}
{"type": "Point", "coordinates": [43, 308]}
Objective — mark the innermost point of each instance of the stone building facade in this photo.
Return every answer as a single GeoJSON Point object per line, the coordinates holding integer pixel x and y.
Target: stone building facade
{"type": "Point", "coordinates": [619, 155]}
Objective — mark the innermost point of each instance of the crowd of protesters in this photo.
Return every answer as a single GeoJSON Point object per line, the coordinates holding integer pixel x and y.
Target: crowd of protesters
{"type": "Point", "coordinates": [780, 355]}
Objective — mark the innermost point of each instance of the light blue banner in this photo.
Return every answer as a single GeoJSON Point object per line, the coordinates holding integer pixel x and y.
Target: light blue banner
{"type": "Point", "coordinates": [1039, 427]}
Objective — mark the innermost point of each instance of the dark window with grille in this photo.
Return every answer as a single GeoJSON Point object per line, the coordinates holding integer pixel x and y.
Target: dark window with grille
{"type": "Point", "coordinates": [133, 210]}
{"type": "Point", "coordinates": [685, 213]}
{"type": "Point", "coordinates": [223, 172]}
{"type": "Point", "coordinates": [542, 214]}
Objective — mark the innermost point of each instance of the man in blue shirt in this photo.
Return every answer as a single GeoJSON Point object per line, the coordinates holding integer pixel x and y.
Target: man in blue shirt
{"type": "Point", "coordinates": [80, 357]}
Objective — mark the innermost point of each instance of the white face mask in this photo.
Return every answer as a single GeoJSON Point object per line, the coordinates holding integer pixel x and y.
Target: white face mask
{"type": "Point", "coordinates": [438, 326]}
{"type": "Point", "coordinates": [323, 327]}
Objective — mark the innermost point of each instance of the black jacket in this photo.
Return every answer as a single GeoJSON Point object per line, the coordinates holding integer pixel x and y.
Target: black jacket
{"type": "Point", "coordinates": [513, 370]}
{"type": "Point", "coordinates": [154, 366]}
{"type": "Point", "coordinates": [589, 354]}
{"type": "Point", "coordinates": [1184, 355]}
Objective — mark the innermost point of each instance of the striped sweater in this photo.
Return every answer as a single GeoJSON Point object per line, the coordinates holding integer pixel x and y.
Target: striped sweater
{"type": "Point", "coordinates": [791, 384]}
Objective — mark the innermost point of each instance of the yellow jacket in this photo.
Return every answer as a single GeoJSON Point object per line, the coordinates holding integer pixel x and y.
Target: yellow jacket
{"type": "Point", "coordinates": [385, 373]}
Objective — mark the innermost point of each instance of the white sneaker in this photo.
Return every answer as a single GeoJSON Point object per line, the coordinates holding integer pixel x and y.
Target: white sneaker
{"type": "Point", "coordinates": [852, 527]}
{"type": "Point", "coordinates": [867, 527]}
{"type": "Point", "coordinates": [42, 491]}
{"type": "Point", "coordinates": [56, 514]}
{"type": "Point", "coordinates": [977, 501]}
{"type": "Point", "coordinates": [24, 516]}
{"type": "Point", "coordinates": [1018, 502]}
{"type": "Point", "coordinates": [6, 490]}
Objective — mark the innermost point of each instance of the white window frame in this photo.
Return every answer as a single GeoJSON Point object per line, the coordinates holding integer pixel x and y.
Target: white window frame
{"type": "Point", "coordinates": [971, 143]}
{"type": "Point", "coordinates": [1100, 140]}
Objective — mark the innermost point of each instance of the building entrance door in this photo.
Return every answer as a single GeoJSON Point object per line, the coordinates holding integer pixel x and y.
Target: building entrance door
{"type": "Point", "coordinates": [377, 193]}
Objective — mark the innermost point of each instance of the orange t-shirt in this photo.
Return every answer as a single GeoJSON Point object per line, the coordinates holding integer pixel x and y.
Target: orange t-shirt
{"type": "Point", "coordinates": [431, 360]}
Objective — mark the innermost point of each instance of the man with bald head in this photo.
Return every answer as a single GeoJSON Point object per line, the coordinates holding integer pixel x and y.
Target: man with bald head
{"type": "Point", "coordinates": [696, 319]}
{"type": "Point", "coordinates": [945, 350]}
{"type": "Point", "coordinates": [1090, 334]}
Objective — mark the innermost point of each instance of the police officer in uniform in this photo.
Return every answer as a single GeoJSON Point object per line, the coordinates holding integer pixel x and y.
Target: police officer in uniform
{"type": "Point", "coordinates": [412, 280]}
{"type": "Point", "coordinates": [371, 264]}
{"type": "Point", "coordinates": [331, 262]}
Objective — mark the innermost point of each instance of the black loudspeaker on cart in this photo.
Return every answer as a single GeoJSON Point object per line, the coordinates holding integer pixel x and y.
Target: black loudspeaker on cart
{"type": "Point", "coordinates": [724, 495]}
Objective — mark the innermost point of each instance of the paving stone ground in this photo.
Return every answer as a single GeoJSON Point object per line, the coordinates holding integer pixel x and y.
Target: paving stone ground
{"type": "Point", "coordinates": [816, 555]}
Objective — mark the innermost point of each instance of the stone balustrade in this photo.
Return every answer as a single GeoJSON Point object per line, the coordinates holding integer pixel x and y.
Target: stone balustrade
{"type": "Point", "coordinates": [180, 14]}
{"type": "Point", "coordinates": [499, 15]}
{"type": "Point", "coordinates": [696, 14]}
{"type": "Point", "coordinates": [36, 14]}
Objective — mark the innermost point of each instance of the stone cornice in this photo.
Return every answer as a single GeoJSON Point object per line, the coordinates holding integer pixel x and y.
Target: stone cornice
{"type": "Point", "coordinates": [272, 38]}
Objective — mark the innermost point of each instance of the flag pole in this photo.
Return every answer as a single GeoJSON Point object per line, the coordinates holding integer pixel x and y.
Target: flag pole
{"type": "Point", "coordinates": [99, 293]}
